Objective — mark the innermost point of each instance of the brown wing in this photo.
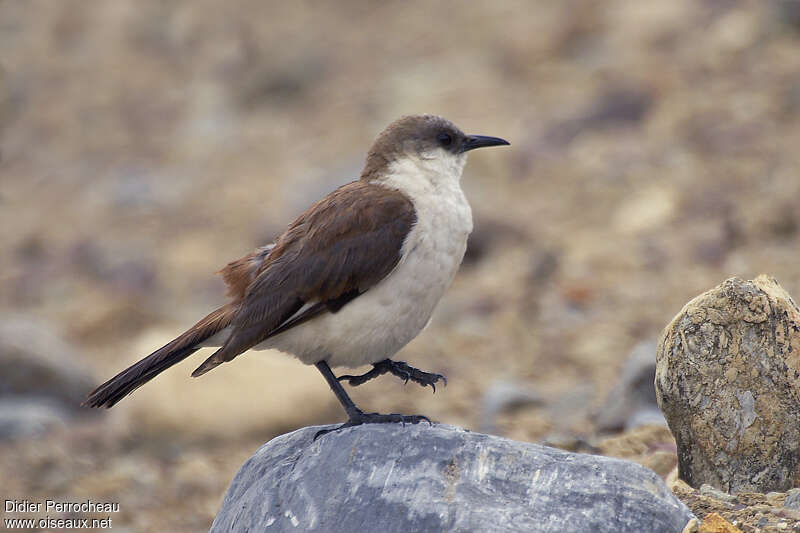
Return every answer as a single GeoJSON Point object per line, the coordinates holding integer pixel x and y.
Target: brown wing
{"type": "Point", "coordinates": [338, 249]}
{"type": "Point", "coordinates": [239, 274]}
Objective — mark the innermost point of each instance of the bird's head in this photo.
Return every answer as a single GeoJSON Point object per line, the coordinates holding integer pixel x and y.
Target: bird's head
{"type": "Point", "coordinates": [431, 142]}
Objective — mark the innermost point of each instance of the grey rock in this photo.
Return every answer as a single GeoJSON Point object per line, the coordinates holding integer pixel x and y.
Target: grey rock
{"type": "Point", "coordinates": [42, 382]}
{"type": "Point", "coordinates": [504, 395]}
{"type": "Point", "coordinates": [728, 383]}
{"type": "Point", "coordinates": [22, 417]}
{"type": "Point", "coordinates": [564, 409]}
{"type": "Point", "coordinates": [389, 478]}
{"type": "Point", "coordinates": [645, 416]}
{"type": "Point", "coordinates": [35, 361]}
{"type": "Point", "coordinates": [708, 490]}
{"type": "Point", "coordinates": [792, 499]}
{"type": "Point", "coordinates": [787, 12]}
{"type": "Point", "coordinates": [632, 401]}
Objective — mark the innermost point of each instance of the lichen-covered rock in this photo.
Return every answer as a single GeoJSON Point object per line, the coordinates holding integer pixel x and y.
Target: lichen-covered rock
{"type": "Point", "coordinates": [728, 382]}
{"type": "Point", "coordinates": [389, 478]}
{"type": "Point", "coordinates": [714, 523]}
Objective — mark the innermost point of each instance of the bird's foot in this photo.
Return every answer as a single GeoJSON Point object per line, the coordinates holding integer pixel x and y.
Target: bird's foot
{"type": "Point", "coordinates": [400, 369]}
{"type": "Point", "coordinates": [358, 418]}
{"type": "Point", "coordinates": [407, 372]}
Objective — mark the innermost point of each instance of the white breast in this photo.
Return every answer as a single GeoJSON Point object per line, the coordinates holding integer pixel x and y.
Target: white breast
{"type": "Point", "coordinates": [377, 324]}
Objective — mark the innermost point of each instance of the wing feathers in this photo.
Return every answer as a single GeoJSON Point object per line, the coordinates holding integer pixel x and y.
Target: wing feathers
{"type": "Point", "coordinates": [238, 274]}
{"type": "Point", "coordinates": [339, 248]}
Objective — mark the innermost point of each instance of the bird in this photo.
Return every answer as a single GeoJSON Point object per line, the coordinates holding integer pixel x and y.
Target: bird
{"type": "Point", "coordinates": [351, 280]}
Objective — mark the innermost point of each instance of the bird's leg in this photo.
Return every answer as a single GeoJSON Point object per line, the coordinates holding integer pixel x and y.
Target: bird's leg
{"type": "Point", "coordinates": [400, 369]}
{"type": "Point", "coordinates": [349, 405]}
{"type": "Point", "coordinates": [356, 416]}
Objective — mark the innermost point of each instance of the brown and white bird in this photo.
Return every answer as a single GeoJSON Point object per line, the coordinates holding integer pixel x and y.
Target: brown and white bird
{"type": "Point", "coordinates": [353, 279]}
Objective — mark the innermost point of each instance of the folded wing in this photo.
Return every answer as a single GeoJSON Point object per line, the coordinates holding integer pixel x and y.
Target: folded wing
{"type": "Point", "coordinates": [334, 252]}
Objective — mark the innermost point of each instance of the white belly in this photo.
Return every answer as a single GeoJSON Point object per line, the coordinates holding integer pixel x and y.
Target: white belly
{"type": "Point", "coordinates": [377, 324]}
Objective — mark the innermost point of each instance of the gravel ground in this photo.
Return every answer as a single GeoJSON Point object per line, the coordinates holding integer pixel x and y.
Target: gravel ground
{"type": "Point", "coordinates": [143, 145]}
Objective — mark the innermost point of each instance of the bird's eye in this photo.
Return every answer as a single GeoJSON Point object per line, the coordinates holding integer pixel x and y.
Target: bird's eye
{"type": "Point", "coordinates": [445, 139]}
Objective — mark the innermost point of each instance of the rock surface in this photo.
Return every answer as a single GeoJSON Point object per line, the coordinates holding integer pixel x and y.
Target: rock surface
{"type": "Point", "coordinates": [793, 499]}
{"type": "Point", "coordinates": [749, 511]}
{"type": "Point", "coordinates": [728, 382]}
{"type": "Point", "coordinates": [35, 362]}
{"type": "Point", "coordinates": [26, 417]}
{"type": "Point", "coordinates": [714, 523]}
{"type": "Point", "coordinates": [390, 478]}
{"type": "Point", "coordinates": [42, 381]}
{"type": "Point", "coordinates": [632, 401]}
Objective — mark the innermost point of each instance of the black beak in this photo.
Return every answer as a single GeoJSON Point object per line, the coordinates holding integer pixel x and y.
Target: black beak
{"type": "Point", "coordinates": [481, 141]}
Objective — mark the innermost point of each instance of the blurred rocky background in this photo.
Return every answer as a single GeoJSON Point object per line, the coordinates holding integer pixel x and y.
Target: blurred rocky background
{"type": "Point", "coordinates": [144, 144]}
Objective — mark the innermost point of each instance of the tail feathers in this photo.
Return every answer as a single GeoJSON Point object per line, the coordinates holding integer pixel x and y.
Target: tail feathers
{"type": "Point", "coordinates": [207, 365]}
{"type": "Point", "coordinates": [130, 379]}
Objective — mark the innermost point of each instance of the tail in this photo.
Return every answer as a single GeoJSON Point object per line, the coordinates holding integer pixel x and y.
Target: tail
{"type": "Point", "coordinates": [130, 379]}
